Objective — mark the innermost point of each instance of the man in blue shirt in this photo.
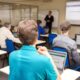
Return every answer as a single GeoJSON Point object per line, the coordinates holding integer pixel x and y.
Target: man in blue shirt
{"type": "Point", "coordinates": [40, 29]}
{"type": "Point", "coordinates": [29, 63]}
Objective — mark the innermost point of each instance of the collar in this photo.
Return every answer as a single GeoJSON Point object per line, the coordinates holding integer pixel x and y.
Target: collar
{"type": "Point", "coordinates": [28, 47]}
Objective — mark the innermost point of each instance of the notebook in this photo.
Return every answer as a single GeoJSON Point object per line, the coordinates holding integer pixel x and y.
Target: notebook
{"type": "Point", "coordinates": [59, 58]}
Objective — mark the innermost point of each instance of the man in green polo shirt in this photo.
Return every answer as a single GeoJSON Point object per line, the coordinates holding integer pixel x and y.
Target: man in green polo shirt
{"type": "Point", "coordinates": [29, 63]}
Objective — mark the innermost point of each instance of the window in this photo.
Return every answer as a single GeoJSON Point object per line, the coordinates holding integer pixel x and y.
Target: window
{"type": "Point", "coordinates": [73, 12]}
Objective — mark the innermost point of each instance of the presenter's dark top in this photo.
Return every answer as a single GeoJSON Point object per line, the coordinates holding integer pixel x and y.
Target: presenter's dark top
{"type": "Point", "coordinates": [49, 20]}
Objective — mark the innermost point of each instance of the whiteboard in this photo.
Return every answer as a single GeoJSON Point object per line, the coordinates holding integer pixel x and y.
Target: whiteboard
{"type": "Point", "coordinates": [43, 13]}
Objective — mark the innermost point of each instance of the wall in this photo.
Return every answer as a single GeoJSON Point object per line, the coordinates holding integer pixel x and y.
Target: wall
{"type": "Point", "coordinates": [55, 4]}
{"type": "Point", "coordinates": [74, 30]}
{"type": "Point", "coordinates": [60, 5]}
{"type": "Point", "coordinates": [22, 2]}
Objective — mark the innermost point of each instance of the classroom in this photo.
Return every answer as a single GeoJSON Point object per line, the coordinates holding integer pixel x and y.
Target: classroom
{"type": "Point", "coordinates": [39, 39]}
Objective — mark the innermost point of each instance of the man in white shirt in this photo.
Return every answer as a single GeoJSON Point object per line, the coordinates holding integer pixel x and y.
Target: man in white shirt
{"type": "Point", "coordinates": [5, 33]}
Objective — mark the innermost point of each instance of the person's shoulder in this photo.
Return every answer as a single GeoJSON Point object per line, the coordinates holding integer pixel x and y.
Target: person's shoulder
{"type": "Point", "coordinates": [43, 59]}
{"type": "Point", "coordinates": [52, 16]}
{"type": "Point", "coordinates": [71, 40]}
{"type": "Point", "coordinates": [58, 37]}
{"type": "Point", "coordinates": [2, 27]}
{"type": "Point", "coordinates": [46, 62]}
{"type": "Point", "coordinates": [14, 53]}
{"type": "Point", "coordinates": [47, 15]}
{"type": "Point", "coordinates": [5, 29]}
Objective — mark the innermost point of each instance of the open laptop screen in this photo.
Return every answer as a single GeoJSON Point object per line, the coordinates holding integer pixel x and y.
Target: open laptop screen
{"type": "Point", "coordinates": [59, 58]}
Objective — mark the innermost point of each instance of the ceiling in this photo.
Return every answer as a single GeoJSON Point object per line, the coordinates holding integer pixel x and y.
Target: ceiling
{"type": "Point", "coordinates": [35, 0]}
{"type": "Point", "coordinates": [25, 0]}
{"type": "Point", "coordinates": [73, 0]}
{"type": "Point", "coordinates": [39, 0]}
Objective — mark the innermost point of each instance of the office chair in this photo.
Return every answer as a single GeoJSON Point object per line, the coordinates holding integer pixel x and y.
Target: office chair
{"type": "Point", "coordinates": [10, 45]}
{"type": "Point", "coordinates": [3, 57]}
{"type": "Point", "coordinates": [51, 38]}
{"type": "Point", "coordinates": [67, 64]}
{"type": "Point", "coordinates": [40, 31]}
{"type": "Point", "coordinates": [77, 68]}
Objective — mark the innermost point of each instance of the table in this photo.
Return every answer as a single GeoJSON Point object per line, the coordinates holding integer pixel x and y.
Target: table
{"type": "Point", "coordinates": [2, 52]}
{"type": "Point", "coordinates": [69, 74]}
{"type": "Point", "coordinates": [78, 50]}
{"type": "Point", "coordinates": [44, 35]}
{"type": "Point", "coordinates": [5, 70]}
{"type": "Point", "coordinates": [40, 42]}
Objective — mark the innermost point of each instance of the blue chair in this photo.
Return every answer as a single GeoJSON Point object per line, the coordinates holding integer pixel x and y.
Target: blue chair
{"type": "Point", "coordinates": [50, 40]}
{"type": "Point", "coordinates": [40, 31]}
{"type": "Point", "coordinates": [67, 64]}
{"type": "Point", "coordinates": [51, 37]}
{"type": "Point", "coordinates": [77, 68]}
{"type": "Point", "coordinates": [10, 45]}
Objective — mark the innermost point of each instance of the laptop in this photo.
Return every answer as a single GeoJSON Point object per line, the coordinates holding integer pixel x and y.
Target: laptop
{"type": "Point", "coordinates": [59, 59]}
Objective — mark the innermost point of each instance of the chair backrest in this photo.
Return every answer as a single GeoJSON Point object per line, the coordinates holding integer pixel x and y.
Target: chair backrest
{"type": "Point", "coordinates": [67, 64]}
{"type": "Point", "coordinates": [77, 68]}
{"type": "Point", "coordinates": [10, 45]}
{"type": "Point", "coordinates": [51, 38]}
{"type": "Point", "coordinates": [40, 31]}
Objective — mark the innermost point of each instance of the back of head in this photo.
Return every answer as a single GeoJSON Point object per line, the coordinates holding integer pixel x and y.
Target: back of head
{"type": "Point", "coordinates": [39, 22]}
{"type": "Point", "coordinates": [65, 26]}
{"type": "Point", "coordinates": [6, 24]}
{"type": "Point", "coordinates": [28, 31]}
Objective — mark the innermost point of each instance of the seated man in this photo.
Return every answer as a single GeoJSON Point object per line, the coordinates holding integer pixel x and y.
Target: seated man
{"type": "Point", "coordinates": [65, 41]}
{"type": "Point", "coordinates": [40, 28]}
{"type": "Point", "coordinates": [29, 63]}
{"type": "Point", "coordinates": [5, 33]}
